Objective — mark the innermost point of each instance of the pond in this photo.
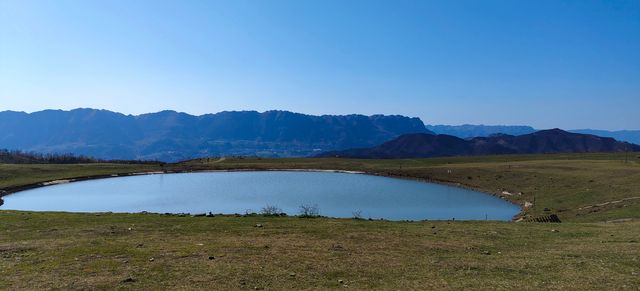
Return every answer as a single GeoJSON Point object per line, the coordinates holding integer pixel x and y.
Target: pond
{"type": "Point", "coordinates": [334, 194]}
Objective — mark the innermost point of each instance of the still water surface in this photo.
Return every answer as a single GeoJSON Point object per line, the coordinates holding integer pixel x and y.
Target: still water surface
{"type": "Point", "coordinates": [335, 194]}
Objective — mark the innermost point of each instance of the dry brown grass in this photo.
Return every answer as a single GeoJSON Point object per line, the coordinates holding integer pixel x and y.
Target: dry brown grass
{"type": "Point", "coordinates": [84, 251]}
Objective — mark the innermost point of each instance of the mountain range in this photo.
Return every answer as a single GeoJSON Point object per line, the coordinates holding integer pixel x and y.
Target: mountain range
{"type": "Point", "coordinates": [174, 136]}
{"type": "Point", "coordinates": [424, 145]}
{"type": "Point", "coordinates": [471, 130]}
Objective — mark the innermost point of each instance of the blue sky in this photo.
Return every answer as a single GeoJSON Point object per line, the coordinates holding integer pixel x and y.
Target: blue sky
{"type": "Point", "coordinates": [568, 64]}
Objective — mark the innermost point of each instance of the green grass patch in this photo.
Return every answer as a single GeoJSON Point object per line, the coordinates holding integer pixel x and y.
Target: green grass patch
{"type": "Point", "coordinates": [85, 251]}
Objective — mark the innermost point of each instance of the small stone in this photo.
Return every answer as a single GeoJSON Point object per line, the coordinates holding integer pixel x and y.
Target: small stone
{"type": "Point", "coordinates": [151, 259]}
{"type": "Point", "coordinates": [486, 252]}
{"type": "Point", "coordinates": [128, 280]}
{"type": "Point", "coordinates": [129, 229]}
{"type": "Point", "coordinates": [258, 225]}
{"type": "Point", "coordinates": [555, 230]}
{"type": "Point", "coordinates": [292, 274]}
{"type": "Point", "coordinates": [341, 281]}
{"type": "Point", "coordinates": [211, 257]}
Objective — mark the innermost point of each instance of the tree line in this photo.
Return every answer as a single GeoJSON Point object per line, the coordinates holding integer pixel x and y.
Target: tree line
{"type": "Point", "coordinates": [22, 157]}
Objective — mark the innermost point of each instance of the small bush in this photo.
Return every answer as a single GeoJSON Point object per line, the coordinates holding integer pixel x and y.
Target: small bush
{"type": "Point", "coordinates": [309, 210]}
{"type": "Point", "coordinates": [271, 210]}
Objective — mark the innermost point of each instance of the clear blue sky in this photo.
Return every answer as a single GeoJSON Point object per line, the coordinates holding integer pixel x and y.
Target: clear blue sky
{"type": "Point", "coordinates": [568, 64]}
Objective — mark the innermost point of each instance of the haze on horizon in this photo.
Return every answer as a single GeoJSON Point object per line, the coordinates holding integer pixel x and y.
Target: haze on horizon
{"type": "Point", "coordinates": [567, 64]}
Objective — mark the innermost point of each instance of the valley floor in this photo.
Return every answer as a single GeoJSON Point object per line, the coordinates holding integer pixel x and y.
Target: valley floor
{"type": "Point", "coordinates": [596, 247]}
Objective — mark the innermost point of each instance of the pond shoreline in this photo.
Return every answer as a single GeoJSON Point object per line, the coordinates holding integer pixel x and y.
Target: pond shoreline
{"type": "Point", "coordinates": [11, 190]}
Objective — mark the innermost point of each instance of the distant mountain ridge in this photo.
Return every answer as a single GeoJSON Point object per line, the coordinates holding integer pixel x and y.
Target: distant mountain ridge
{"type": "Point", "coordinates": [470, 130]}
{"type": "Point", "coordinates": [173, 136]}
{"type": "Point", "coordinates": [632, 136]}
{"type": "Point", "coordinates": [430, 145]}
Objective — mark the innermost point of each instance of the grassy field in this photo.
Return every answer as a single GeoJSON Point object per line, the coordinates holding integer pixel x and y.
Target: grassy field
{"type": "Point", "coordinates": [150, 251]}
{"type": "Point", "coordinates": [138, 251]}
